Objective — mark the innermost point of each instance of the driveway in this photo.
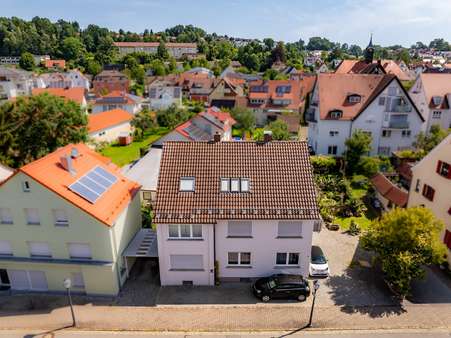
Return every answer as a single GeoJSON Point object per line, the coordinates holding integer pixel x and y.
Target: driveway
{"type": "Point", "coordinates": [354, 283]}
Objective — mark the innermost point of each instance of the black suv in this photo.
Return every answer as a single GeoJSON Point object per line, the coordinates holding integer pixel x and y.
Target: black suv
{"type": "Point", "coordinates": [281, 286]}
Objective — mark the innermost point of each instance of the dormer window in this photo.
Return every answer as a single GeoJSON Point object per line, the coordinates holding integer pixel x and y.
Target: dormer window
{"type": "Point", "coordinates": [336, 114]}
{"type": "Point", "coordinates": [354, 98]}
{"type": "Point", "coordinates": [235, 185]}
{"type": "Point", "coordinates": [187, 183]}
{"type": "Point", "coordinates": [436, 100]}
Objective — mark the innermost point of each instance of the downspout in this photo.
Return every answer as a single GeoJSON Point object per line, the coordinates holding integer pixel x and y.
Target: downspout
{"type": "Point", "coordinates": [214, 254]}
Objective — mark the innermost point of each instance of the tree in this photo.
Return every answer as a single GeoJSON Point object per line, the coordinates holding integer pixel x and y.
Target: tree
{"type": "Point", "coordinates": [404, 241]}
{"type": "Point", "coordinates": [162, 52]}
{"type": "Point", "coordinates": [172, 116]}
{"type": "Point", "coordinates": [143, 120]}
{"type": "Point", "coordinates": [357, 145]}
{"type": "Point", "coordinates": [427, 142]}
{"type": "Point", "coordinates": [439, 44]}
{"type": "Point", "coordinates": [244, 117]}
{"type": "Point", "coordinates": [318, 43]}
{"type": "Point", "coordinates": [35, 126]}
{"type": "Point", "coordinates": [72, 49]}
{"type": "Point", "coordinates": [279, 130]}
{"type": "Point", "coordinates": [355, 50]}
{"type": "Point", "coordinates": [93, 67]}
{"type": "Point", "coordinates": [26, 61]}
{"type": "Point", "coordinates": [269, 43]}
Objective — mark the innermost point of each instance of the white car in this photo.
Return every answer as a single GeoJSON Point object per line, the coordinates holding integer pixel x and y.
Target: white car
{"type": "Point", "coordinates": [318, 263]}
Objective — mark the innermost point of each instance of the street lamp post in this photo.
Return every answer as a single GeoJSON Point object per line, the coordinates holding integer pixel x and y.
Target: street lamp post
{"type": "Point", "coordinates": [315, 288]}
{"type": "Point", "coordinates": [67, 284]}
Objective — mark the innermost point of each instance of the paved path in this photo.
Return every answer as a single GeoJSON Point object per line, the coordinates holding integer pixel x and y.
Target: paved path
{"type": "Point", "coordinates": [311, 334]}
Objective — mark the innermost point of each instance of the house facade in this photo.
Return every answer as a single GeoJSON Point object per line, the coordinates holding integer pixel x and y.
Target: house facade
{"type": "Point", "coordinates": [431, 93]}
{"type": "Point", "coordinates": [225, 94]}
{"type": "Point", "coordinates": [117, 100]}
{"type": "Point", "coordinates": [376, 104]}
{"type": "Point", "coordinates": [270, 98]}
{"type": "Point", "coordinates": [107, 126]}
{"type": "Point", "coordinates": [14, 83]}
{"type": "Point", "coordinates": [69, 214]}
{"type": "Point", "coordinates": [175, 49]}
{"type": "Point", "coordinates": [431, 186]}
{"type": "Point", "coordinates": [162, 96]}
{"type": "Point", "coordinates": [71, 79]}
{"type": "Point", "coordinates": [110, 80]}
{"type": "Point", "coordinates": [221, 222]}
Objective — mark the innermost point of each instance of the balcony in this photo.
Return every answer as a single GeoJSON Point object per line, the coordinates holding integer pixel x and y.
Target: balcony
{"type": "Point", "coordinates": [398, 122]}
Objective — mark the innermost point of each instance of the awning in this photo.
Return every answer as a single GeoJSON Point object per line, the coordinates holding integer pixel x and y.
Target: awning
{"type": "Point", "coordinates": [144, 244]}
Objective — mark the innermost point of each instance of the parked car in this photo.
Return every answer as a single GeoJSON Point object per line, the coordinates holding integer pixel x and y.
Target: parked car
{"type": "Point", "coordinates": [318, 263]}
{"type": "Point", "coordinates": [281, 286]}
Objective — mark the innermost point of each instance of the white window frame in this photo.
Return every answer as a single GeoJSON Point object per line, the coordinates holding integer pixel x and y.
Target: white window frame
{"type": "Point", "coordinates": [333, 133]}
{"type": "Point", "coordinates": [76, 257]}
{"type": "Point", "coordinates": [437, 114]}
{"type": "Point", "coordinates": [186, 179]}
{"type": "Point", "coordinates": [6, 216]}
{"type": "Point", "coordinates": [234, 181]}
{"type": "Point", "coordinates": [331, 147]}
{"type": "Point", "coordinates": [406, 133]}
{"type": "Point", "coordinates": [386, 133]}
{"type": "Point", "coordinates": [244, 185]}
{"type": "Point", "coordinates": [27, 214]}
{"type": "Point", "coordinates": [239, 258]}
{"type": "Point", "coordinates": [225, 184]}
{"type": "Point", "coordinates": [36, 255]}
{"type": "Point", "coordinates": [77, 282]}
{"type": "Point", "coordinates": [7, 245]}
{"type": "Point", "coordinates": [179, 231]}
{"type": "Point", "coordinates": [287, 258]}
{"type": "Point", "coordinates": [64, 221]}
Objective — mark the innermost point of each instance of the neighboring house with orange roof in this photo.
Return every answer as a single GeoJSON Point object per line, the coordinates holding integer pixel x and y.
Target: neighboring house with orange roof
{"type": "Point", "coordinates": [54, 64]}
{"type": "Point", "coordinates": [431, 186]}
{"type": "Point", "coordinates": [70, 214]}
{"type": "Point", "coordinates": [74, 94]}
{"type": "Point", "coordinates": [376, 104]}
{"type": "Point", "coordinates": [117, 100]}
{"type": "Point", "coordinates": [202, 127]}
{"type": "Point", "coordinates": [270, 98]}
{"type": "Point", "coordinates": [388, 193]}
{"type": "Point", "coordinates": [109, 125]}
{"type": "Point", "coordinates": [431, 93]}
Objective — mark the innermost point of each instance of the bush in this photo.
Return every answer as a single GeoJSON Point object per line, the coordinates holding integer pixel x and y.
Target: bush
{"type": "Point", "coordinates": [360, 182]}
{"type": "Point", "coordinates": [324, 164]}
{"type": "Point", "coordinates": [354, 228]}
{"type": "Point", "coordinates": [172, 117]}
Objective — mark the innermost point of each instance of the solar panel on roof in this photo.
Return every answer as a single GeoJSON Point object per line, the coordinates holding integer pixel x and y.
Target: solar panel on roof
{"type": "Point", "coordinates": [94, 184]}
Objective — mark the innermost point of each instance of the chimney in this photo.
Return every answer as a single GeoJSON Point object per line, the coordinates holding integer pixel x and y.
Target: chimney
{"type": "Point", "coordinates": [267, 136]}
{"type": "Point", "coordinates": [66, 163]}
{"type": "Point", "coordinates": [216, 137]}
{"type": "Point", "coordinates": [74, 153]}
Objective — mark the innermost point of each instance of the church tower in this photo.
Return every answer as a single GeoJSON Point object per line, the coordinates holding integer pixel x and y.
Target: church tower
{"type": "Point", "coordinates": [369, 51]}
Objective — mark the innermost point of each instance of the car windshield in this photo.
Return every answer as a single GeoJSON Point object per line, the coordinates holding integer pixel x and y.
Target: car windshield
{"type": "Point", "coordinates": [272, 284]}
{"type": "Point", "coordinates": [319, 259]}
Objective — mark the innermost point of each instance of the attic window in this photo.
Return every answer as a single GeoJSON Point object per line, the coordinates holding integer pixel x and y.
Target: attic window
{"type": "Point", "coordinates": [187, 183]}
{"type": "Point", "coordinates": [336, 114]}
{"type": "Point", "coordinates": [354, 98]}
{"type": "Point", "coordinates": [235, 185]}
{"type": "Point", "coordinates": [436, 100]}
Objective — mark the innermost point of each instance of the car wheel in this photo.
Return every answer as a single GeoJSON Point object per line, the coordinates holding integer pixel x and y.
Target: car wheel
{"type": "Point", "coordinates": [266, 298]}
{"type": "Point", "coordinates": [301, 298]}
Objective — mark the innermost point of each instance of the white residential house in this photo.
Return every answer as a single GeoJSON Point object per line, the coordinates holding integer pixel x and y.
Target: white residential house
{"type": "Point", "coordinates": [376, 104]}
{"type": "Point", "coordinates": [118, 100]}
{"type": "Point", "coordinates": [431, 93]}
{"type": "Point", "coordinates": [431, 186]}
{"type": "Point", "coordinates": [107, 126]}
{"type": "Point", "coordinates": [71, 79]}
{"type": "Point", "coordinates": [162, 97]}
{"type": "Point", "coordinates": [14, 83]}
{"type": "Point", "coordinates": [234, 211]}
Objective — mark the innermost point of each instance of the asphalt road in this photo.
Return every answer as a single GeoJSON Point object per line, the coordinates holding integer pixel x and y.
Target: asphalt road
{"type": "Point", "coordinates": [312, 334]}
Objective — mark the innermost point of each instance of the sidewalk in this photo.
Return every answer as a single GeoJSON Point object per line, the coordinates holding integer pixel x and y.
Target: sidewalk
{"type": "Point", "coordinates": [217, 318]}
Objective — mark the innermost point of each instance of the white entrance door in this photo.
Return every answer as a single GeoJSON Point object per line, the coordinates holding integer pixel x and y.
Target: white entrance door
{"type": "Point", "coordinates": [28, 280]}
{"type": "Point", "coordinates": [19, 279]}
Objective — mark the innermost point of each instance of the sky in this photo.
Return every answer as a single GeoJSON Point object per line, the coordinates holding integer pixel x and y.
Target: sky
{"type": "Point", "coordinates": [391, 22]}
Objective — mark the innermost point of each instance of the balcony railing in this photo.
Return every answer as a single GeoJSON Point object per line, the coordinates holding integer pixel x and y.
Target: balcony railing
{"type": "Point", "coordinates": [398, 124]}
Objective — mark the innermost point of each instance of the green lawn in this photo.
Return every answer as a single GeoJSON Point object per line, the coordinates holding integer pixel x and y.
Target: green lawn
{"type": "Point", "coordinates": [122, 155]}
{"type": "Point", "coordinates": [344, 223]}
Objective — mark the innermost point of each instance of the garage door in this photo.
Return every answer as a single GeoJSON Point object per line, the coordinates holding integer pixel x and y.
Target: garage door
{"type": "Point", "coordinates": [28, 280]}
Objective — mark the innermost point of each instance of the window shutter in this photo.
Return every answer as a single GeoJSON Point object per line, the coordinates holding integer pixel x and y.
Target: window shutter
{"type": "Point", "coordinates": [239, 228]}
{"type": "Point", "coordinates": [289, 229]}
{"type": "Point", "coordinates": [186, 262]}
{"type": "Point", "coordinates": [439, 165]}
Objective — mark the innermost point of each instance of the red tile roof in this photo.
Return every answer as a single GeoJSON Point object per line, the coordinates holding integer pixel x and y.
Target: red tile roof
{"type": "Point", "coordinates": [76, 94]}
{"type": "Point", "coordinates": [280, 174]}
{"type": "Point", "coordinates": [49, 172]}
{"type": "Point", "coordinates": [362, 67]}
{"type": "Point", "coordinates": [390, 191]}
{"type": "Point", "coordinates": [55, 63]}
{"type": "Point", "coordinates": [294, 95]}
{"type": "Point", "coordinates": [108, 119]}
